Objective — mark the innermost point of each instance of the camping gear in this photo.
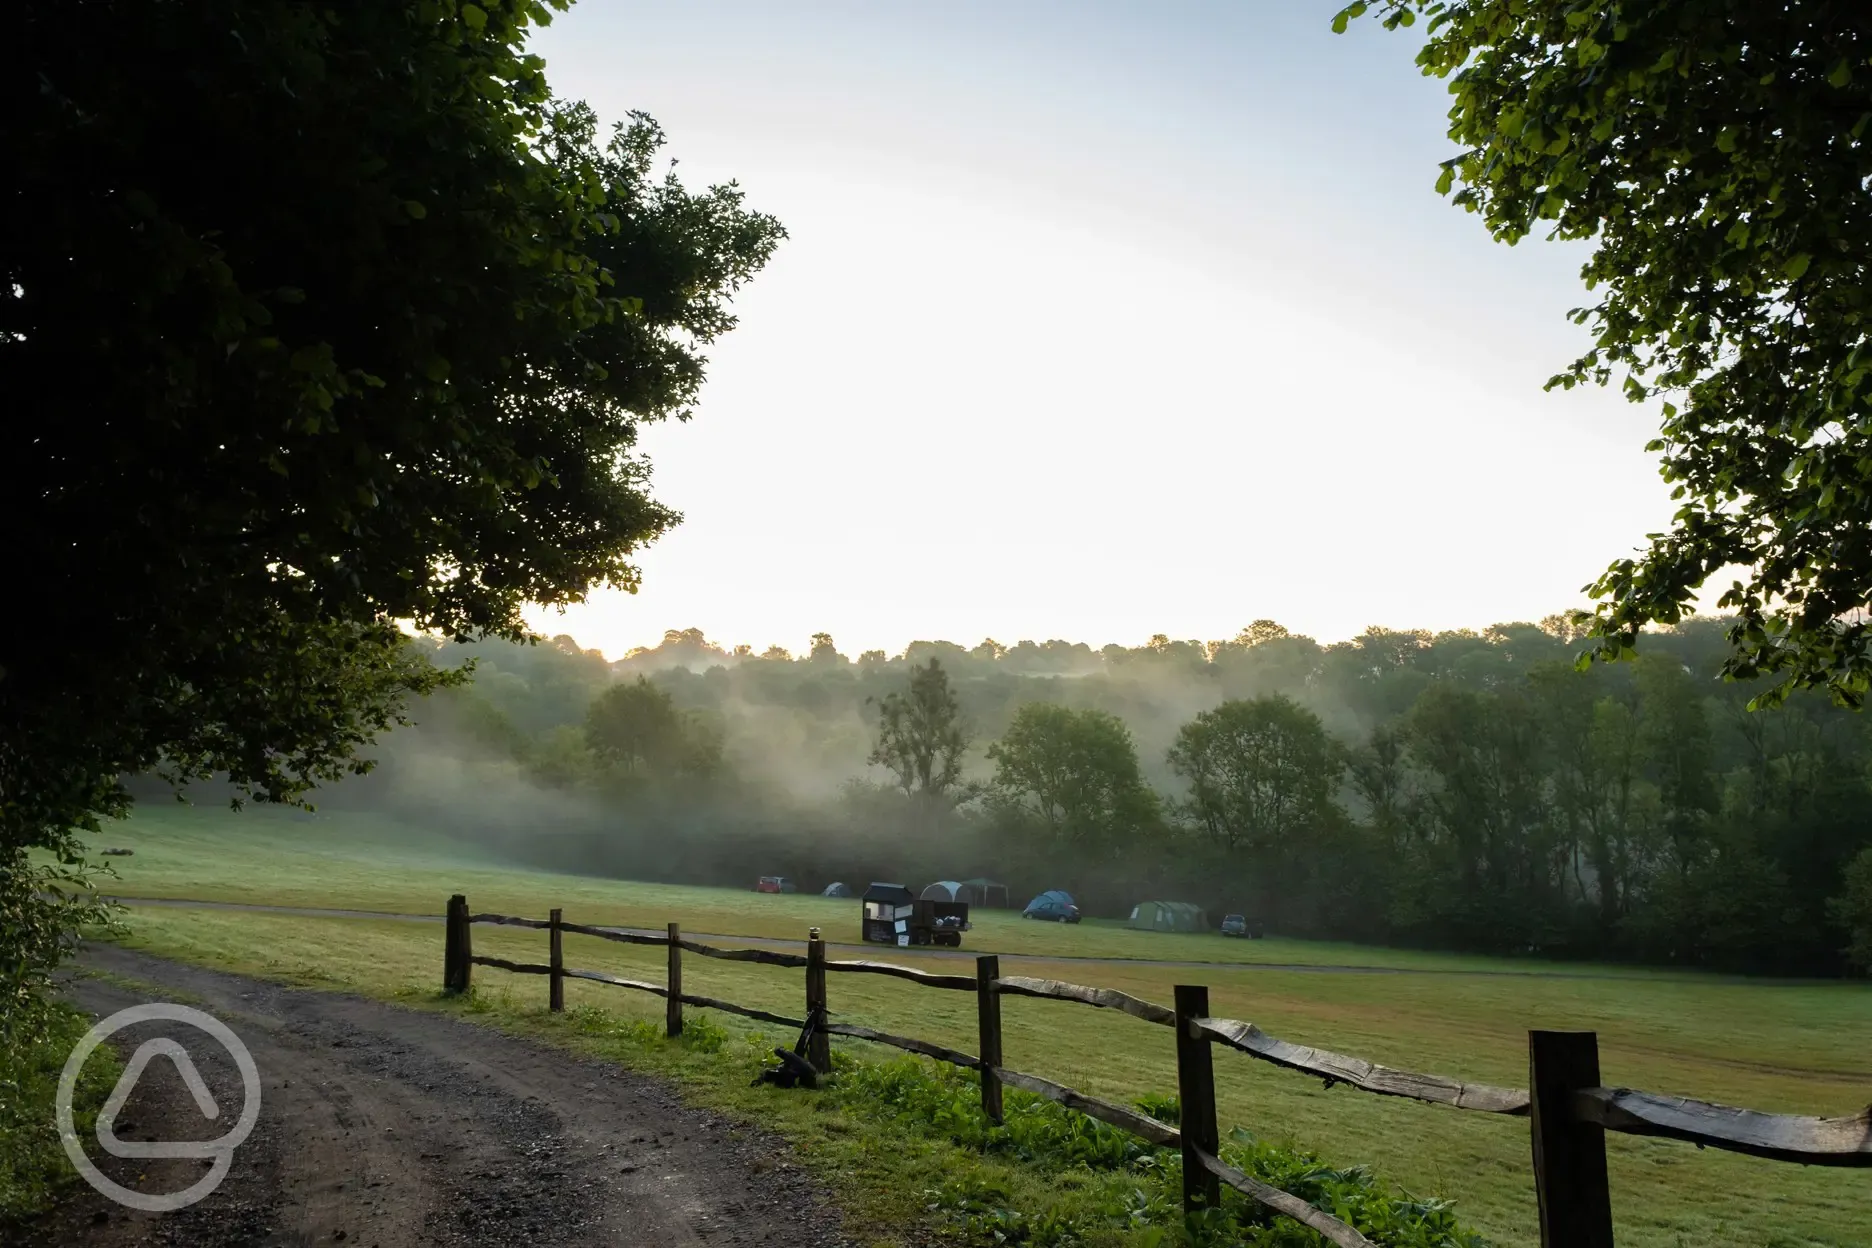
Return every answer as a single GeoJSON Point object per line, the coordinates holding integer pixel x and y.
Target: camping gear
{"type": "Point", "coordinates": [893, 915]}
{"type": "Point", "coordinates": [838, 890]}
{"type": "Point", "coordinates": [1055, 905]}
{"type": "Point", "coordinates": [1168, 916]}
{"type": "Point", "coordinates": [794, 1071]}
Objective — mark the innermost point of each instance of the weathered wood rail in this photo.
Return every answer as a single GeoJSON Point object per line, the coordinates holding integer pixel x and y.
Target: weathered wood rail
{"type": "Point", "coordinates": [1569, 1111]}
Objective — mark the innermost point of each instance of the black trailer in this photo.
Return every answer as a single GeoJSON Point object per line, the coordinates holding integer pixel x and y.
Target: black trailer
{"type": "Point", "coordinates": [893, 915]}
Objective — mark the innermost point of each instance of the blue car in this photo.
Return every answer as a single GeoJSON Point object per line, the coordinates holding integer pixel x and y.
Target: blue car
{"type": "Point", "coordinates": [1053, 905]}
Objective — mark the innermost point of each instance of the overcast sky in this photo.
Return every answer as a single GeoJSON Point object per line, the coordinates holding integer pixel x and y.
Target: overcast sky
{"type": "Point", "coordinates": [1099, 320]}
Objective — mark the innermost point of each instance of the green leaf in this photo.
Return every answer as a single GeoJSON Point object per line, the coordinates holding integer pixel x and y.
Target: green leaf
{"type": "Point", "coordinates": [1446, 179]}
{"type": "Point", "coordinates": [1840, 74]}
{"type": "Point", "coordinates": [1794, 268]}
{"type": "Point", "coordinates": [475, 17]}
{"type": "Point", "coordinates": [415, 209]}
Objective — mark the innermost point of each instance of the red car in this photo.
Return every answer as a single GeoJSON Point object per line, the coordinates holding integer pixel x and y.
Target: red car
{"type": "Point", "coordinates": [775, 884]}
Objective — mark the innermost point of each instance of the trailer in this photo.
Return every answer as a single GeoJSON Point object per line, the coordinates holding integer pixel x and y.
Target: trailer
{"type": "Point", "coordinates": [893, 915]}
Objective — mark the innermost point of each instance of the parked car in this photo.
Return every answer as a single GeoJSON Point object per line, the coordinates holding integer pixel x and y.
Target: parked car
{"type": "Point", "coordinates": [1234, 925]}
{"type": "Point", "coordinates": [775, 884]}
{"type": "Point", "coordinates": [1054, 905]}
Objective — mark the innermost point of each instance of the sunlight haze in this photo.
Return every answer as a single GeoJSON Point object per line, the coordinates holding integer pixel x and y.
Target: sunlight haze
{"type": "Point", "coordinates": [1099, 321]}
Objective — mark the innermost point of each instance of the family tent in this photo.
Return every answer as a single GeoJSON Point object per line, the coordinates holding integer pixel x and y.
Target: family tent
{"type": "Point", "coordinates": [838, 890]}
{"type": "Point", "coordinates": [1168, 916]}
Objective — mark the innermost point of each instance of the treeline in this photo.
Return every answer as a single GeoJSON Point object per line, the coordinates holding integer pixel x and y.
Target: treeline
{"type": "Point", "coordinates": [1458, 790]}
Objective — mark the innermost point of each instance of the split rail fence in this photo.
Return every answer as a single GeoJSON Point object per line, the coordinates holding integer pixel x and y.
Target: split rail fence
{"type": "Point", "coordinates": [1568, 1111]}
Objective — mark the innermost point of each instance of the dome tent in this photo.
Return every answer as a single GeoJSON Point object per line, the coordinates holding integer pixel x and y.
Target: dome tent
{"type": "Point", "coordinates": [838, 890]}
{"type": "Point", "coordinates": [1168, 916]}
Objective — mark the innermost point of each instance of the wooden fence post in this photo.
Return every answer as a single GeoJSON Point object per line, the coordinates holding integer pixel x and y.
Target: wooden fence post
{"type": "Point", "coordinates": [988, 1016]}
{"type": "Point", "coordinates": [1196, 1099]}
{"type": "Point", "coordinates": [818, 1043]}
{"type": "Point", "coordinates": [1569, 1155]}
{"type": "Point", "coordinates": [455, 946]}
{"type": "Point", "coordinates": [672, 1012]}
{"type": "Point", "coordinates": [555, 991]}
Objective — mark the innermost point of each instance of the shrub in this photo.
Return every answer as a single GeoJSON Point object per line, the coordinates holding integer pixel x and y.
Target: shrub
{"type": "Point", "coordinates": [32, 1161]}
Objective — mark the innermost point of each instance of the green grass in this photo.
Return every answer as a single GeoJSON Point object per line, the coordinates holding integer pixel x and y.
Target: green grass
{"type": "Point", "coordinates": [348, 860]}
{"type": "Point", "coordinates": [1772, 1045]}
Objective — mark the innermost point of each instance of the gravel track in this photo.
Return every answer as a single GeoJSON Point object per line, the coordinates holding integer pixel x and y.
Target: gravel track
{"type": "Point", "coordinates": [382, 1126]}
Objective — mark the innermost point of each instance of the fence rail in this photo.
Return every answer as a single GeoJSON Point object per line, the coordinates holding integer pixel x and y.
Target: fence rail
{"type": "Point", "coordinates": [1568, 1109]}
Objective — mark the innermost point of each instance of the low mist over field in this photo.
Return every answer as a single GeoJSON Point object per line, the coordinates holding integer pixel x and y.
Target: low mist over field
{"type": "Point", "coordinates": [1464, 789]}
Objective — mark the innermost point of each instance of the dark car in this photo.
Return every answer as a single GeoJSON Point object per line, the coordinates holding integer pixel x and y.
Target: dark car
{"type": "Point", "coordinates": [1234, 925]}
{"type": "Point", "coordinates": [1054, 905]}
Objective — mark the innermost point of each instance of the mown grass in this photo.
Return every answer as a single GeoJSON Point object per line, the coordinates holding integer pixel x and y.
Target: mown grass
{"type": "Point", "coordinates": [1792, 1048]}
{"type": "Point", "coordinates": [349, 860]}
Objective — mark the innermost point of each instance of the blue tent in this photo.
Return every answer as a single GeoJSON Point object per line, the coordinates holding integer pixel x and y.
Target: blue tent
{"type": "Point", "coordinates": [1054, 904]}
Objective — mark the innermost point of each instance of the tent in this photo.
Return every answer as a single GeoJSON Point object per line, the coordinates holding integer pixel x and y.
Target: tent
{"type": "Point", "coordinates": [1052, 904]}
{"type": "Point", "coordinates": [1168, 916]}
{"type": "Point", "coordinates": [944, 890]}
{"type": "Point", "coordinates": [838, 890]}
{"type": "Point", "coordinates": [983, 892]}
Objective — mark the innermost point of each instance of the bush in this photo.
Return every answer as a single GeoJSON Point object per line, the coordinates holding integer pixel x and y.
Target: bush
{"type": "Point", "coordinates": [1140, 1183]}
{"type": "Point", "coordinates": [32, 1161]}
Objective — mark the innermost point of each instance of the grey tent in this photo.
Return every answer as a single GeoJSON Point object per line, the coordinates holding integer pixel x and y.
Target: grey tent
{"type": "Point", "coordinates": [944, 890]}
{"type": "Point", "coordinates": [838, 890]}
{"type": "Point", "coordinates": [1168, 916]}
{"type": "Point", "coordinates": [984, 893]}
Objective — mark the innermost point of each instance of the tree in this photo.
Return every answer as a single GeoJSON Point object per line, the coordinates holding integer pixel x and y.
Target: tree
{"type": "Point", "coordinates": [1076, 773]}
{"type": "Point", "coordinates": [921, 737]}
{"type": "Point", "coordinates": [1716, 155]}
{"type": "Point", "coordinates": [1595, 761]}
{"type": "Point", "coordinates": [636, 729]}
{"type": "Point", "coordinates": [1852, 911]}
{"type": "Point", "coordinates": [345, 323]}
{"type": "Point", "coordinates": [1483, 819]}
{"type": "Point", "coordinates": [1261, 774]}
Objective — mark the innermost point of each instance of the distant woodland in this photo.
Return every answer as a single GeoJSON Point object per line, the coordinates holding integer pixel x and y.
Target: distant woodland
{"type": "Point", "coordinates": [1462, 790]}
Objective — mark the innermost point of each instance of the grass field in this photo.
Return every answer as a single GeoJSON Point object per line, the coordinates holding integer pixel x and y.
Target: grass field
{"type": "Point", "coordinates": [1773, 1045]}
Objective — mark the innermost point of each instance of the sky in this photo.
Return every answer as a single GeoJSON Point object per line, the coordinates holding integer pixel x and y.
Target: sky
{"type": "Point", "coordinates": [1100, 320]}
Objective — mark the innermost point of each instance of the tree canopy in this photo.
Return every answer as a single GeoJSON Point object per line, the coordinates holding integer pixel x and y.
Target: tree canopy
{"type": "Point", "coordinates": [1716, 154]}
{"type": "Point", "coordinates": [921, 736]}
{"type": "Point", "coordinates": [1076, 773]}
{"type": "Point", "coordinates": [317, 322]}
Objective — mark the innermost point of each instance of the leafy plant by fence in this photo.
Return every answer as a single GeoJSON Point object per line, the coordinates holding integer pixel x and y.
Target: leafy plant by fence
{"type": "Point", "coordinates": [1568, 1111]}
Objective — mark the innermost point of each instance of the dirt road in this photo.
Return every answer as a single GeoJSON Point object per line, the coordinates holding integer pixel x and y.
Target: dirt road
{"type": "Point", "coordinates": [391, 1127]}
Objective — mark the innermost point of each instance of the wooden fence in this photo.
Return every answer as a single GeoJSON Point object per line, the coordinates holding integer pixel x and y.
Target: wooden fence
{"type": "Point", "coordinates": [1568, 1111]}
